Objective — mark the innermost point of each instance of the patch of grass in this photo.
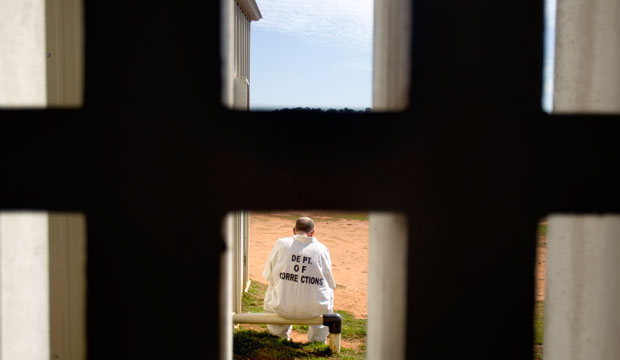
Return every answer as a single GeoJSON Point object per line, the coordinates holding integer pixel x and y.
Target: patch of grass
{"type": "Point", "coordinates": [317, 348]}
{"type": "Point", "coordinates": [350, 354]}
{"type": "Point", "coordinates": [539, 320]}
{"type": "Point", "coordinates": [538, 352]}
{"type": "Point", "coordinates": [542, 229]}
{"type": "Point", "coordinates": [252, 301]}
{"type": "Point", "coordinates": [541, 234]}
{"type": "Point", "coordinates": [352, 327]}
{"type": "Point", "coordinates": [249, 344]}
{"type": "Point", "coordinates": [539, 317]}
{"type": "Point", "coordinates": [301, 328]}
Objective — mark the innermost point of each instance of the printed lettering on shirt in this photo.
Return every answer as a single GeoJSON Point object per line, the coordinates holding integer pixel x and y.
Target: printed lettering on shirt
{"type": "Point", "coordinates": [297, 268]}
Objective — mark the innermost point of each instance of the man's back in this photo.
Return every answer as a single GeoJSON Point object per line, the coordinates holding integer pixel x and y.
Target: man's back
{"type": "Point", "coordinates": [300, 279]}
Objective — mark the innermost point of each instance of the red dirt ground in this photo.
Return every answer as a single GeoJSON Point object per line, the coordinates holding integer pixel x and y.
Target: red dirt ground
{"type": "Point", "coordinates": [347, 241]}
{"type": "Point", "coordinates": [541, 263]}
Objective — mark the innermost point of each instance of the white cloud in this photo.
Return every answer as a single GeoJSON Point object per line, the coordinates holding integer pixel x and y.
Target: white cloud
{"type": "Point", "coordinates": [359, 66]}
{"type": "Point", "coordinates": [340, 23]}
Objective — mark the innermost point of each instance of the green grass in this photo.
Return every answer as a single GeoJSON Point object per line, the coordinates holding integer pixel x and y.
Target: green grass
{"type": "Point", "coordinates": [252, 301]}
{"type": "Point", "coordinates": [301, 328]}
{"type": "Point", "coordinates": [250, 344]}
{"type": "Point", "coordinates": [541, 235]}
{"type": "Point", "coordinates": [350, 354]}
{"type": "Point", "coordinates": [352, 327]}
{"type": "Point", "coordinates": [542, 229]}
{"type": "Point", "coordinates": [538, 353]}
{"type": "Point", "coordinates": [539, 317]}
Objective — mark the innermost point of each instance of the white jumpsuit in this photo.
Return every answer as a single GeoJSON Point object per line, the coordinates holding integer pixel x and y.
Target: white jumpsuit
{"type": "Point", "coordinates": [301, 284]}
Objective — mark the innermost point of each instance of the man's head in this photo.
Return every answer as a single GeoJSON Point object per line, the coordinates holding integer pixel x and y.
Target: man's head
{"type": "Point", "coordinates": [304, 226]}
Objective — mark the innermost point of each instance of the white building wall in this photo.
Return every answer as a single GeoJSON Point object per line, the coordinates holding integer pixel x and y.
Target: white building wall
{"type": "Point", "coordinates": [242, 60]}
{"type": "Point", "coordinates": [42, 255]}
{"type": "Point", "coordinates": [41, 53]}
{"type": "Point", "coordinates": [582, 316]}
{"type": "Point", "coordinates": [24, 287]}
{"type": "Point", "coordinates": [22, 53]}
{"type": "Point", "coordinates": [587, 57]}
{"type": "Point", "coordinates": [42, 286]}
{"type": "Point", "coordinates": [227, 51]}
{"type": "Point", "coordinates": [238, 15]}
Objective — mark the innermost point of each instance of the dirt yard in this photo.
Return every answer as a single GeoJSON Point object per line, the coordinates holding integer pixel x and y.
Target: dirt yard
{"type": "Point", "coordinates": [347, 241]}
{"type": "Point", "coordinates": [344, 234]}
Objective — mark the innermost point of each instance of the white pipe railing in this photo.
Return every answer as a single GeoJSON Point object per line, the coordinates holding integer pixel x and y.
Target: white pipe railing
{"type": "Point", "coordinates": [333, 321]}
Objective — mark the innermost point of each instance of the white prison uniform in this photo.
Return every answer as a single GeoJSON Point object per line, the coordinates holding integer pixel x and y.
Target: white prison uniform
{"type": "Point", "coordinates": [301, 284]}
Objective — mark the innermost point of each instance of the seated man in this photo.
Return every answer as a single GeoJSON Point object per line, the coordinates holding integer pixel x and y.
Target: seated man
{"type": "Point", "coordinates": [301, 284]}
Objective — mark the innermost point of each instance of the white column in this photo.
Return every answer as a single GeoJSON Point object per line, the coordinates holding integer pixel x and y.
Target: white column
{"type": "Point", "coordinates": [242, 87]}
{"type": "Point", "coordinates": [22, 53]}
{"type": "Point", "coordinates": [582, 306]}
{"type": "Point", "coordinates": [226, 290]}
{"type": "Point", "coordinates": [236, 246]}
{"type": "Point", "coordinates": [587, 56]}
{"type": "Point", "coordinates": [227, 50]}
{"type": "Point", "coordinates": [391, 63]}
{"type": "Point", "coordinates": [387, 286]}
{"type": "Point", "coordinates": [24, 286]}
{"type": "Point", "coordinates": [246, 250]}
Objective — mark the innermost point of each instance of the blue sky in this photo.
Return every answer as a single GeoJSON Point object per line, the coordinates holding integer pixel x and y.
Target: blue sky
{"type": "Point", "coordinates": [549, 44]}
{"type": "Point", "coordinates": [312, 53]}
{"type": "Point", "coordinates": [318, 53]}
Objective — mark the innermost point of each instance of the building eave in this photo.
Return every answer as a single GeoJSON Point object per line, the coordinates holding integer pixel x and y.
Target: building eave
{"type": "Point", "coordinates": [251, 10]}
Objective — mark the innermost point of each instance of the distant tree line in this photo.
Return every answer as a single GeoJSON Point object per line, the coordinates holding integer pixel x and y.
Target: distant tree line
{"type": "Point", "coordinates": [319, 110]}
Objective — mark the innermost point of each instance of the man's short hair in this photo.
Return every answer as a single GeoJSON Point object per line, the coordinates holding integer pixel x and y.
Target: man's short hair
{"type": "Point", "coordinates": [304, 225]}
